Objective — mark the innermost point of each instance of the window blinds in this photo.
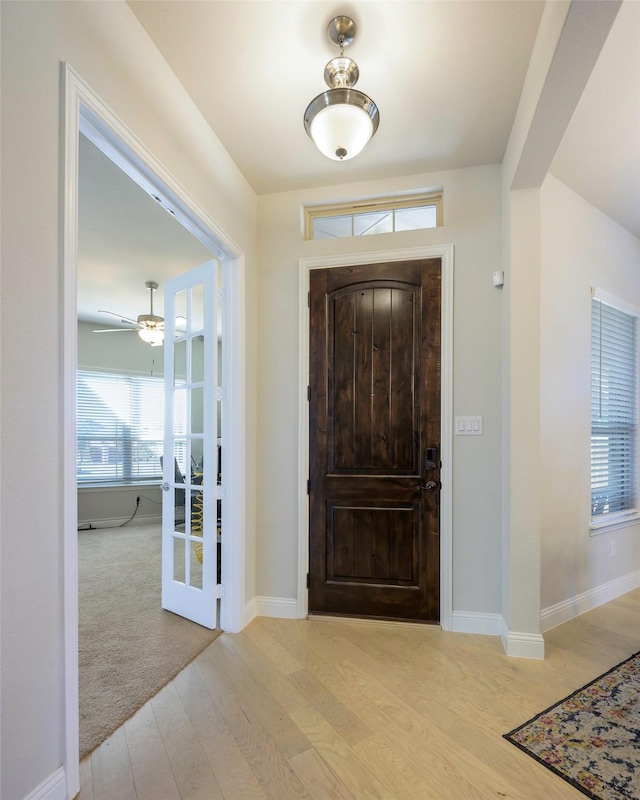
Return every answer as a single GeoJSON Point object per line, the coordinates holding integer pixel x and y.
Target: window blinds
{"type": "Point", "coordinates": [614, 410]}
{"type": "Point", "coordinates": [120, 421]}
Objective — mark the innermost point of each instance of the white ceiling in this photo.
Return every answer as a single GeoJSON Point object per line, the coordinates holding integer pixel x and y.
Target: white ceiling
{"type": "Point", "coordinates": [446, 74]}
{"type": "Point", "coordinates": [599, 156]}
{"type": "Point", "coordinates": [124, 239]}
{"type": "Point", "coordinates": [446, 77]}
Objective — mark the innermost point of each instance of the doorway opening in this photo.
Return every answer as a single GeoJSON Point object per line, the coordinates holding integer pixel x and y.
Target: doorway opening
{"type": "Point", "coordinates": [84, 113]}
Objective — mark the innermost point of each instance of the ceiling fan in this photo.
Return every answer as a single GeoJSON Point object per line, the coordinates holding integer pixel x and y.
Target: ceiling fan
{"type": "Point", "coordinates": [149, 327]}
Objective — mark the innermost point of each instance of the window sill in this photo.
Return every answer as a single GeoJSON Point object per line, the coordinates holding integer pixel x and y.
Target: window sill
{"type": "Point", "coordinates": [117, 487]}
{"type": "Point", "coordinates": [613, 523]}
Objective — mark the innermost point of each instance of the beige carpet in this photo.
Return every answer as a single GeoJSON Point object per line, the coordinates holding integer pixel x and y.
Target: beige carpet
{"type": "Point", "coordinates": [129, 647]}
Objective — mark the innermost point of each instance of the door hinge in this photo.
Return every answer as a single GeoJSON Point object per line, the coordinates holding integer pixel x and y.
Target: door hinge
{"type": "Point", "coordinates": [219, 591]}
{"type": "Point", "coordinates": [308, 299]}
{"type": "Point", "coordinates": [308, 580]}
{"type": "Point", "coordinates": [308, 487]}
{"type": "Point", "coordinates": [308, 393]}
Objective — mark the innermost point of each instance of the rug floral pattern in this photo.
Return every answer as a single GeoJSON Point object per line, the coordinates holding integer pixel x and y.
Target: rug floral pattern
{"type": "Point", "coordinates": [592, 738]}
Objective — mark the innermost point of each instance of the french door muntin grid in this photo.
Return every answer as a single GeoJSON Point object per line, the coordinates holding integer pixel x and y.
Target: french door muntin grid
{"type": "Point", "coordinates": [192, 372]}
{"type": "Point", "coordinates": [188, 433]}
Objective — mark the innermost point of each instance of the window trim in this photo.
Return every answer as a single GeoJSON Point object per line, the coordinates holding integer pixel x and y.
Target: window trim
{"type": "Point", "coordinates": [354, 207]}
{"type": "Point", "coordinates": [604, 523]}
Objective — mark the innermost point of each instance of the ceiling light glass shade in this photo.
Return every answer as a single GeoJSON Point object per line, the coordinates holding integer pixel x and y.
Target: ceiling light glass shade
{"type": "Point", "coordinates": [151, 336]}
{"type": "Point", "coordinates": [341, 122]}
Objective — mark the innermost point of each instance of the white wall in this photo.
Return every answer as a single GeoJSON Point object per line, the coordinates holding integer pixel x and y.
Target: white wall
{"type": "Point", "coordinates": [581, 247]}
{"type": "Point", "coordinates": [521, 420]}
{"type": "Point", "coordinates": [106, 45]}
{"type": "Point", "coordinates": [121, 352]}
{"type": "Point", "coordinates": [568, 43]}
{"type": "Point", "coordinates": [472, 224]}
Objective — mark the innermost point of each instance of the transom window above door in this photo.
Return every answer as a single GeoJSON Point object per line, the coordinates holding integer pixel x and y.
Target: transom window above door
{"type": "Point", "coordinates": [367, 217]}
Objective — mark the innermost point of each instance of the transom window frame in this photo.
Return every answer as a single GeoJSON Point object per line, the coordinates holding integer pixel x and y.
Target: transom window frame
{"type": "Point", "coordinates": [608, 521]}
{"type": "Point", "coordinates": [360, 207]}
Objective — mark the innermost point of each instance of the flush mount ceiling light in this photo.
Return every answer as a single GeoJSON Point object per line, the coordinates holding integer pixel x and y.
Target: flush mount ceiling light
{"type": "Point", "coordinates": [342, 120]}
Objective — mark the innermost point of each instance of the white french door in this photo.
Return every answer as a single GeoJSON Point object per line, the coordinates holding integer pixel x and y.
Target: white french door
{"type": "Point", "coordinates": [190, 461]}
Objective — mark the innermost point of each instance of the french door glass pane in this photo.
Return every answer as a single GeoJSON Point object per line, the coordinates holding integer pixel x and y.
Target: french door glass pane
{"type": "Point", "coordinates": [197, 359]}
{"type": "Point", "coordinates": [180, 363]}
{"type": "Point", "coordinates": [197, 308]}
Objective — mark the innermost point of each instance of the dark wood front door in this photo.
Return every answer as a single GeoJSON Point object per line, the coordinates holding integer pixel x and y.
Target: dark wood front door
{"type": "Point", "coordinates": [374, 499]}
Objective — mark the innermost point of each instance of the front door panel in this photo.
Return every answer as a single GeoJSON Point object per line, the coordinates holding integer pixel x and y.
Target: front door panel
{"type": "Point", "coordinates": [374, 409]}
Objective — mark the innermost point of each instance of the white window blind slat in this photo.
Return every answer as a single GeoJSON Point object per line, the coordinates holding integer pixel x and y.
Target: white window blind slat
{"type": "Point", "coordinates": [614, 410]}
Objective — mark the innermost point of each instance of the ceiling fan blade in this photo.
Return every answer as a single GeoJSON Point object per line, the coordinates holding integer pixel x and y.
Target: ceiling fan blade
{"type": "Point", "coordinates": [117, 330]}
{"type": "Point", "coordinates": [120, 317]}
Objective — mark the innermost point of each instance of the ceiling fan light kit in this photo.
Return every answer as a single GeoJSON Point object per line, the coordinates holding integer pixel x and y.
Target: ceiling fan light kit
{"type": "Point", "coordinates": [152, 336]}
{"type": "Point", "coordinates": [150, 327]}
{"type": "Point", "coordinates": [152, 330]}
{"type": "Point", "coordinates": [341, 120]}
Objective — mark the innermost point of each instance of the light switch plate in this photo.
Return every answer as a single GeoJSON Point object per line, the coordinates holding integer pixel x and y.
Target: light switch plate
{"type": "Point", "coordinates": [468, 426]}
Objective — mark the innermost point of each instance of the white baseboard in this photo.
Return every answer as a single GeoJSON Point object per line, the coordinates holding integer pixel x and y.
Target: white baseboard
{"type": "Point", "coordinates": [573, 607]}
{"type": "Point", "coordinates": [115, 522]}
{"type": "Point", "coordinates": [281, 607]}
{"type": "Point", "coordinates": [522, 645]}
{"type": "Point", "coordinates": [53, 788]}
{"type": "Point", "coordinates": [250, 611]}
{"type": "Point", "coordinates": [476, 622]}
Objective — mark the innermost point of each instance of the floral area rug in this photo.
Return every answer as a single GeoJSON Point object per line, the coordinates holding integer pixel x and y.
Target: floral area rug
{"type": "Point", "coordinates": [592, 738]}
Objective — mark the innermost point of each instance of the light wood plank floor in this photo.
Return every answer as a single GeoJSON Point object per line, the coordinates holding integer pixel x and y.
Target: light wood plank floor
{"type": "Point", "coordinates": [333, 710]}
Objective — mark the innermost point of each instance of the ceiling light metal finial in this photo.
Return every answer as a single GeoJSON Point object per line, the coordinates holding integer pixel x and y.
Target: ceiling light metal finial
{"type": "Point", "coordinates": [342, 120]}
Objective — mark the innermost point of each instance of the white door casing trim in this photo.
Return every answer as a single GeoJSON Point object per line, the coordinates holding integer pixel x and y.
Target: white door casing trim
{"type": "Point", "coordinates": [82, 110]}
{"type": "Point", "coordinates": [445, 253]}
